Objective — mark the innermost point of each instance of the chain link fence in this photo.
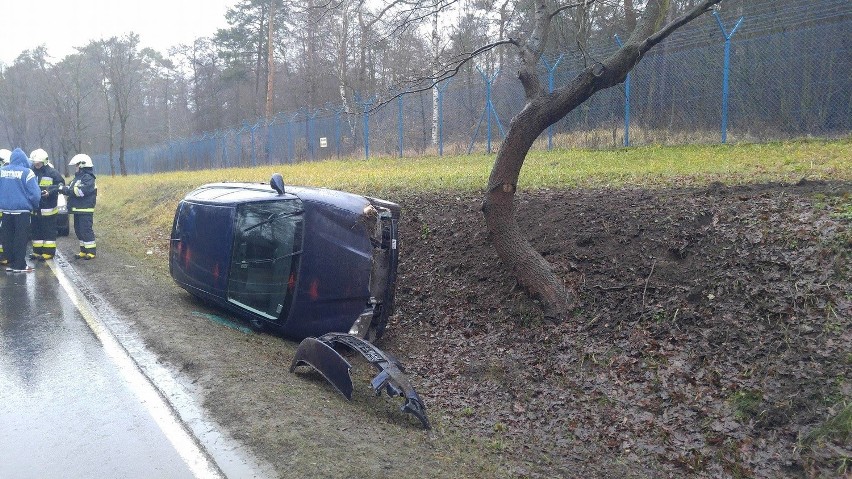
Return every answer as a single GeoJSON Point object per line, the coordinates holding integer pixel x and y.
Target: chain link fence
{"type": "Point", "coordinates": [770, 75]}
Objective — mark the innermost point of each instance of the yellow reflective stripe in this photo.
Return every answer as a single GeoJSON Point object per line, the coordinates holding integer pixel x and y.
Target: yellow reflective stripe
{"type": "Point", "coordinates": [38, 243]}
{"type": "Point", "coordinates": [49, 211]}
{"type": "Point", "coordinates": [45, 181]}
{"type": "Point", "coordinates": [82, 210]}
{"type": "Point", "coordinates": [49, 244]}
{"type": "Point", "coordinates": [88, 244]}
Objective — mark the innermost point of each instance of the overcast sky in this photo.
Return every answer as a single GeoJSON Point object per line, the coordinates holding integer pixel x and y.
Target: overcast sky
{"type": "Point", "coordinates": [62, 25]}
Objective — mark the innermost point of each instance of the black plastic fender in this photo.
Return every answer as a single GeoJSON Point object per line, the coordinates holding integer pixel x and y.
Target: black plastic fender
{"type": "Point", "coordinates": [319, 353]}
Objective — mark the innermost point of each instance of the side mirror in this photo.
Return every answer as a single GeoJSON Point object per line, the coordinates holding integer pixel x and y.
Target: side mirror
{"type": "Point", "coordinates": [277, 183]}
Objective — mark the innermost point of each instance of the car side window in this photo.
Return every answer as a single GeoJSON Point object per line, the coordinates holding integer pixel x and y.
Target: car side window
{"type": "Point", "coordinates": [267, 245]}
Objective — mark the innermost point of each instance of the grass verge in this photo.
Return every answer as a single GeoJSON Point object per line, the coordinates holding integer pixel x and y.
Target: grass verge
{"type": "Point", "coordinates": [135, 212]}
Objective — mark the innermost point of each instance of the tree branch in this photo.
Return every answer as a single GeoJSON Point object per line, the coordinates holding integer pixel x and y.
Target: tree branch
{"type": "Point", "coordinates": [561, 9]}
{"type": "Point", "coordinates": [429, 82]}
{"type": "Point", "coordinates": [667, 30]}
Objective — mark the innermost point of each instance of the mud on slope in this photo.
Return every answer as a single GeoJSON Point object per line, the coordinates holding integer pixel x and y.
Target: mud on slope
{"type": "Point", "coordinates": [711, 339]}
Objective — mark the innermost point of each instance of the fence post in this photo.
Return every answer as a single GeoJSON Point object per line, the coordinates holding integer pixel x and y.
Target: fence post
{"type": "Point", "coordinates": [441, 90]}
{"type": "Point", "coordinates": [626, 100]}
{"type": "Point", "coordinates": [551, 71]}
{"type": "Point", "coordinates": [489, 110]}
{"type": "Point", "coordinates": [725, 75]}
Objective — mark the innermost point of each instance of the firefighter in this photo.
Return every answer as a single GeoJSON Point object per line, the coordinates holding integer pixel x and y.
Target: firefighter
{"type": "Point", "coordinates": [5, 155]}
{"type": "Point", "coordinates": [44, 218]}
{"type": "Point", "coordinates": [19, 196]}
{"type": "Point", "coordinates": [82, 194]}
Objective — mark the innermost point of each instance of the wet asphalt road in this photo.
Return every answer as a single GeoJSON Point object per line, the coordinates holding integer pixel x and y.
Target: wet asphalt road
{"type": "Point", "coordinates": [67, 407]}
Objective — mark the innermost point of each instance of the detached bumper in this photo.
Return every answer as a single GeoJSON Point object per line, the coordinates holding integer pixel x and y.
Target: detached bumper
{"type": "Point", "coordinates": [319, 353]}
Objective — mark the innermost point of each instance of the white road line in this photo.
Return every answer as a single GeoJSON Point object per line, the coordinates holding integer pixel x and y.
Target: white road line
{"type": "Point", "coordinates": [184, 443]}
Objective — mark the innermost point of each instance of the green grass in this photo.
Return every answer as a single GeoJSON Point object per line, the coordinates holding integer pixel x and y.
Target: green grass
{"type": "Point", "coordinates": [838, 429]}
{"type": "Point", "coordinates": [746, 404]}
{"type": "Point", "coordinates": [135, 212]}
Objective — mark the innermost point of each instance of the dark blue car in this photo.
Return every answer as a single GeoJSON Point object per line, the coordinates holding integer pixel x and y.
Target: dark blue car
{"type": "Point", "coordinates": [302, 262]}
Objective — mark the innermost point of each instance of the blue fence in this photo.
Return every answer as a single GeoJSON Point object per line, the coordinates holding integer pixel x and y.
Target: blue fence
{"type": "Point", "coordinates": [759, 77]}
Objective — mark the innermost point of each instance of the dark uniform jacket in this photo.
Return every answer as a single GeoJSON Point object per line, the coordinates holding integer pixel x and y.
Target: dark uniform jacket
{"type": "Point", "coordinates": [82, 192]}
{"type": "Point", "coordinates": [48, 180]}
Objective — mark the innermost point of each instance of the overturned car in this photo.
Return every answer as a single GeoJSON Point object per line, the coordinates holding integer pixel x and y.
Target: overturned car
{"type": "Point", "coordinates": [302, 262]}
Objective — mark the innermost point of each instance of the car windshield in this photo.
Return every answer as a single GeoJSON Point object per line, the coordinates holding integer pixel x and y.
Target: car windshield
{"type": "Point", "coordinates": [267, 245]}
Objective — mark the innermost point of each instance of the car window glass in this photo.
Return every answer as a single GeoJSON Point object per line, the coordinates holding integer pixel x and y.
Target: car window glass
{"type": "Point", "coordinates": [267, 243]}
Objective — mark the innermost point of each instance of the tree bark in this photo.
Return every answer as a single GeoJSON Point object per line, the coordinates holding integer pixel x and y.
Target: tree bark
{"type": "Point", "coordinates": [270, 61]}
{"type": "Point", "coordinates": [436, 54]}
{"type": "Point", "coordinates": [629, 15]}
{"type": "Point", "coordinates": [111, 125]}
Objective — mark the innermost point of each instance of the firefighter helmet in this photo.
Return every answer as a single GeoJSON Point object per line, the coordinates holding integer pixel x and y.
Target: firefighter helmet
{"type": "Point", "coordinates": [39, 156]}
{"type": "Point", "coordinates": [82, 160]}
{"type": "Point", "coordinates": [5, 156]}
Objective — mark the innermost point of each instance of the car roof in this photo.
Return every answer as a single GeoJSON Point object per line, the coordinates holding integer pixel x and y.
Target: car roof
{"type": "Point", "coordinates": [231, 193]}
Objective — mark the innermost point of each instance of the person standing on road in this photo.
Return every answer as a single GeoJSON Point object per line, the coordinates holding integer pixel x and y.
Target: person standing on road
{"type": "Point", "coordinates": [19, 196]}
{"type": "Point", "coordinates": [5, 156]}
{"type": "Point", "coordinates": [44, 218]}
{"type": "Point", "coordinates": [82, 195]}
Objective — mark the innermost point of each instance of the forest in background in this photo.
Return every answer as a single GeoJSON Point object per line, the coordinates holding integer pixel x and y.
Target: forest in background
{"type": "Point", "coordinates": [113, 95]}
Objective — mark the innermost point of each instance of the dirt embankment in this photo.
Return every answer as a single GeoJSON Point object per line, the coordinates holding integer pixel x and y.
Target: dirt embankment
{"type": "Point", "coordinates": [711, 338]}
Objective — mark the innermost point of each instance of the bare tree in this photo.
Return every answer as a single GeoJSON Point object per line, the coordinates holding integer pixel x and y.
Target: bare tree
{"type": "Point", "coordinates": [543, 109]}
{"type": "Point", "coordinates": [436, 56]}
{"type": "Point", "coordinates": [110, 118]}
{"type": "Point", "coordinates": [20, 100]}
{"type": "Point", "coordinates": [74, 84]}
{"type": "Point", "coordinates": [203, 69]}
{"type": "Point", "coordinates": [270, 60]}
{"type": "Point", "coordinates": [124, 67]}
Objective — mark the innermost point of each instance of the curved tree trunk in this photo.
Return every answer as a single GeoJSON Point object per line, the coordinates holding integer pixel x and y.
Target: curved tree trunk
{"type": "Point", "coordinates": [530, 269]}
{"type": "Point", "coordinates": [543, 109]}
